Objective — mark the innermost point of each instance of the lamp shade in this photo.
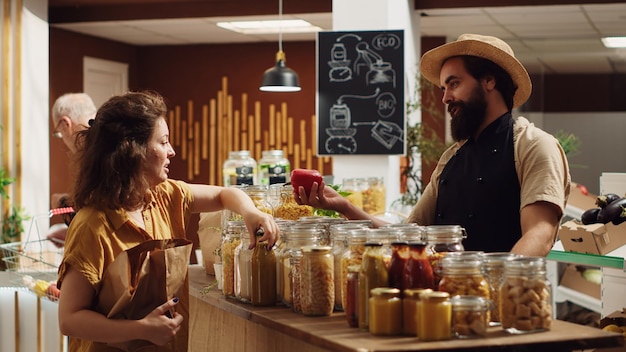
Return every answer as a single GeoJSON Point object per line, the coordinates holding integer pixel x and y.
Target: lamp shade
{"type": "Point", "coordinates": [280, 78]}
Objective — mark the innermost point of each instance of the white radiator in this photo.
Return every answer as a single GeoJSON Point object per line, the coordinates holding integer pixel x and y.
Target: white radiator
{"type": "Point", "coordinates": [29, 323]}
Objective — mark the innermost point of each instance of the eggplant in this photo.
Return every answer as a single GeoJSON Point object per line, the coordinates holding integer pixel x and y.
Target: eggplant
{"type": "Point", "coordinates": [606, 199]}
{"type": "Point", "coordinates": [613, 212]}
{"type": "Point", "coordinates": [590, 216]}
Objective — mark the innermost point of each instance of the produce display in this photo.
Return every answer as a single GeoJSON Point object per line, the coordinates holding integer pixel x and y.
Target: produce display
{"type": "Point", "coordinates": [611, 208]}
{"type": "Point", "coordinates": [42, 288]}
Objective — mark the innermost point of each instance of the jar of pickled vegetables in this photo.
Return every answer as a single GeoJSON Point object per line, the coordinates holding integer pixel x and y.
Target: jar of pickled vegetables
{"type": "Point", "coordinates": [525, 301]}
{"type": "Point", "coordinates": [295, 237]}
{"type": "Point", "coordinates": [493, 270]}
{"type": "Point", "coordinates": [434, 316]}
{"type": "Point", "coordinates": [442, 239]}
{"type": "Point", "coordinates": [230, 240]}
{"type": "Point", "coordinates": [385, 311]}
{"type": "Point", "coordinates": [373, 274]}
{"type": "Point", "coordinates": [317, 286]}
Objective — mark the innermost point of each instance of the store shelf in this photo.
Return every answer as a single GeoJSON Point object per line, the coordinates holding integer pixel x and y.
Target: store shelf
{"type": "Point", "coordinates": [614, 259]}
{"type": "Point", "coordinates": [562, 294]}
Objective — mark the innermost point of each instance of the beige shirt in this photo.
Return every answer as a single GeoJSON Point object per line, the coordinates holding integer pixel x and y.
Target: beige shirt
{"type": "Point", "coordinates": [541, 165]}
{"type": "Point", "coordinates": [95, 238]}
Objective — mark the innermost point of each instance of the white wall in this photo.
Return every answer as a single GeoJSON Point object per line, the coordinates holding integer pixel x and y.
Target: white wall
{"type": "Point", "coordinates": [602, 147]}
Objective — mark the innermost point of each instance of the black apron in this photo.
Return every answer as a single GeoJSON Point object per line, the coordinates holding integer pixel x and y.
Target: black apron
{"type": "Point", "coordinates": [479, 190]}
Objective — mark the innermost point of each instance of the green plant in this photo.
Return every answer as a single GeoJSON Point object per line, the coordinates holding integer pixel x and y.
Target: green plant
{"type": "Point", "coordinates": [568, 141]}
{"type": "Point", "coordinates": [13, 225]}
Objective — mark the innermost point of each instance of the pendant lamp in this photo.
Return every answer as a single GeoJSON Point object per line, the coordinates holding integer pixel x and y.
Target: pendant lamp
{"type": "Point", "coordinates": [280, 78]}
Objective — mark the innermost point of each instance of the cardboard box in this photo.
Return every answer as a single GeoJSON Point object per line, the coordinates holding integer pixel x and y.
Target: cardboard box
{"type": "Point", "coordinates": [573, 278]}
{"type": "Point", "coordinates": [618, 318]}
{"type": "Point", "coordinates": [592, 239]}
{"type": "Point", "coordinates": [579, 199]}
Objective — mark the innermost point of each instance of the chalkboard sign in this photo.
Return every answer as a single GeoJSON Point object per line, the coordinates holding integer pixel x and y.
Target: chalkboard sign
{"type": "Point", "coordinates": [360, 105]}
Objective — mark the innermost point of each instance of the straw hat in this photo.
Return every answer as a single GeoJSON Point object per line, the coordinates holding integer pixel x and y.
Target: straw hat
{"type": "Point", "coordinates": [484, 46]}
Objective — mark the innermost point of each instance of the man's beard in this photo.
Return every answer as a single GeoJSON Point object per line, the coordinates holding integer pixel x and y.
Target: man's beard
{"type": "Point", "coordinates": [469, 116]}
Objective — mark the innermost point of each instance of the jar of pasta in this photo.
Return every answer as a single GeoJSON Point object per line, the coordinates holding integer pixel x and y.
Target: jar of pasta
{"type": "Point", "coordinates": [374, 196]}
{"type": "Point", "coordinates": [353, 255]}
{"type": "Point", "coordinates": [287, 207]}
{"type": "Point", "coordinates": [295, 259]}
{"type": "Point", "coordinates": [470, 316]}
{"type": "Point", "coordinates": [317, 286]}
{"type": "Point", "coordinates": [442, 239]}
{"type": "Point", "coordinates": [325, 222]}
{"type": "Point", "coordinates": [296, 237]}
{"type": "Point", "coordinates": [525, 296]}
{"type": "Point", "coordinates": [243, 270]}
{"type": "Point", "coordinates": [355, 187]}
{"type": "Point", "coordinates": [462, 275]}
{"type": "Point", "coordinates": [230, 240]}
{"type": "Point", "coordinates": [373, 274]}
{"type": "Point", "coordinates": [493, 269]}
{"type": "Point", "coordinates": [385, 311]}
{"type": "Point", "coordinates": [260, 197]}
{"type": "Point", "coordinates": [434, 316]}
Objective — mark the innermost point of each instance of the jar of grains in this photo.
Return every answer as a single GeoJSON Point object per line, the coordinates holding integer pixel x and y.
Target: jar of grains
{"type": "Point", "coordinates": [442, 239]}
{"type": "Point", "coordinates": [525, 296]}
{"type": "Point", "coordinates": [493, 270]}
{"type": "Point", "coordinates": [317, 287]}
{"type": "Point", "coordinates": [295, 237]}
{"type": "Point", "coordinates": [230, 240]}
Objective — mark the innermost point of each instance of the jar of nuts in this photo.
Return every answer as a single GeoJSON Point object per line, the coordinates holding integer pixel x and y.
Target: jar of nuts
{"type": "Point", "coordinates": [462, 275]}
{"type": "Point", "coordinates": [493, 269]}
{"type": "Point", "coordinates": [525, 300]}
{"type": "Point", "coordinates": [442, 239]}
{"type": "Point", "coordinates": [470, 316]}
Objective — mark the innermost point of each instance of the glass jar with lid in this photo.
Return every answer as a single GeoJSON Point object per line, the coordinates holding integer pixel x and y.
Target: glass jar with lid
{"type": "Point", "coordinates": [263, 270]}
{"type": "Point", "coordinates": [418, 273]}
{"type": "Point", "coordinates": [339, 239]}
{"type": "Point", "coordinates": [353, 255]}
{"type": "Point", "coordinates": [470, 316]}
{"type": "Point", "coordinates": [356, 187]}
{"type": "Point", "coordinates": [462, 275]}
{"type": "Point", "coordinates": [434, 316]}
{"type": "Point", "coordinates": [525, 301]}
{"type": "Point", "coordinates": [287, 207]}
{"type": "Point", "coordinates": [325, 222]}
{"type": "Point", "coordinates": [373, 274]}
{"type": "Point", "coordinates": [442, 239]}
{"type": "Point", "coordinates": [239, 169]}
{"type": "Point", "coordinates": [273, 167]}
{"type": "Point", "coordinates": [295, 260]}
{"type": "Point", "coordinates": [243, 270]}
{"type": "Point", "coordinates": [493, 270]}
{"type": "Point", "coordinates": [410, 300]}
{"type": "Point", "coordinates": [374, 196]}
{"type": "Point", "coordinates": [295, 237]}
{"type": "Point", "coordinates": [260, 197]}
{"type": "Point", "coordinates": [231, 238]}
{"type": "Point", "coordinates": [317, 286]}
{"type": "Point", "coordinates": [351, 308]}
{"type": "Point", "coordinates": [385, 311]}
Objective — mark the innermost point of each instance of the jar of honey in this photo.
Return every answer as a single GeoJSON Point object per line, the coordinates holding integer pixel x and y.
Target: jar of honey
{"type": "Point", "coordinates": [409, 310]}
{"type": "Point", "coordinates": [385, 311]}
{"type": "Point", "coordinates": [434, 316]}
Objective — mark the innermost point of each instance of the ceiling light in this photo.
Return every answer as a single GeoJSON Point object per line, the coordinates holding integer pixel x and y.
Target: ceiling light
{"type": "Point", "coordinates": [269, 27]}
{"type": "Point", "coordinates": [280, 78]}
{"type": "Point", "coordinates": [614, 42]}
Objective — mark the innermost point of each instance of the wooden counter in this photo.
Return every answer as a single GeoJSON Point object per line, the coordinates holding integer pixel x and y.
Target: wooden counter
{"type": "Point", "coordinates": [220, 324]}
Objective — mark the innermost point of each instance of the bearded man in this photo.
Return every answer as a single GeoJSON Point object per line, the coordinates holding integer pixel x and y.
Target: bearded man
{"type": "Point", "coordinates": [504, 180]}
